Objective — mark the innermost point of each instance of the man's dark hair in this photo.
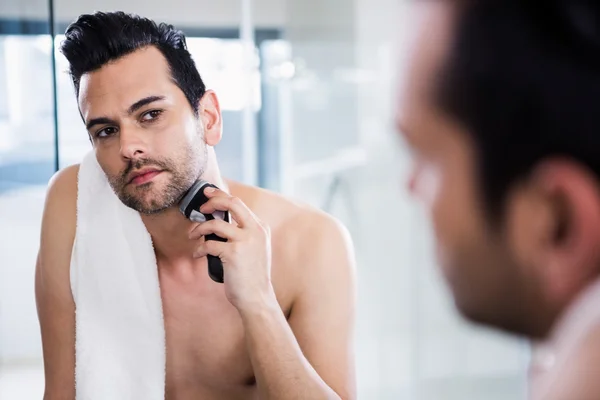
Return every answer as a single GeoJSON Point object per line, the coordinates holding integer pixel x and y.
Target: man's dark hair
{"type": "Point", "coordinates": [523, 78]}
{"type": "Point", "coordinates": [93, 41]}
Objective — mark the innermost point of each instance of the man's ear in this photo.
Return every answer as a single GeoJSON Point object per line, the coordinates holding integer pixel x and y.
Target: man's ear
{"type": "Point", "coordinates": [209, 112]}
{"type": "Point", "coordinates": [572, 255]}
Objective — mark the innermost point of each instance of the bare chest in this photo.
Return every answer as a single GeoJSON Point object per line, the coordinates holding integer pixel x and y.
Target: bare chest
{"type": "Point", "coordinates": [206, 348]}
{"type": "Point", "coordinates": [205, 341]}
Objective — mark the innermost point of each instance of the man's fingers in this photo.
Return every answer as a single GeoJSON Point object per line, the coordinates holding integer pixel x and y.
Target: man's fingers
{"type": "Point", "coordinates": [220, 228]}
{"type": "Point", "coordinates": [211, 247]}
{"type": "Point", "coordinates": [219, 200]}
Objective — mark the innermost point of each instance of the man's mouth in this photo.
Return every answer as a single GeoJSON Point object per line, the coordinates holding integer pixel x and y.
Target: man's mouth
{"type": "Point", "coordinates": [143, 176]}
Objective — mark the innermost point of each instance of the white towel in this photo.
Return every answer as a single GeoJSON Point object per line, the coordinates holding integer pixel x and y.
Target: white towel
{"type": "Point", "coordinates": [120, 337]}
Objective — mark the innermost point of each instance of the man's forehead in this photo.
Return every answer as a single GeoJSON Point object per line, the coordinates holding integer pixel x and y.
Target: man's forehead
{"type": "Point", "coordinates": [122, 82]}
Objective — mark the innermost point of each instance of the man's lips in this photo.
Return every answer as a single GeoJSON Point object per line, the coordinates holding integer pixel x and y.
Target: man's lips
{"type": "Point", "coordinates": [143, 176]}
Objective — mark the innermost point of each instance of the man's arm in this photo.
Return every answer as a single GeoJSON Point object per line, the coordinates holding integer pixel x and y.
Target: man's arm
{"type": "Point", "coordinates": [56, 309]}
{"type": "Point", "coordinates": [312, 357]}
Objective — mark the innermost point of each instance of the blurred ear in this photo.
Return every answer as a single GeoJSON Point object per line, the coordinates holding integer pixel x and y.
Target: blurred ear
{"type": "Point", "coordinates": [555, 226]}
{"type": "Point", "coordinates": [209, 112]}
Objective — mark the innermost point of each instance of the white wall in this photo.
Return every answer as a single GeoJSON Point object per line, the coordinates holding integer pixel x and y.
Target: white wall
{"type": "Point", "coordinates": [197, 13]}
{"type": "Point", "coordinates": [20, 216]}
{"type": "Point", "coordinates": [33, 9]}
{"type": "Point", "coordinates": [319, 20]}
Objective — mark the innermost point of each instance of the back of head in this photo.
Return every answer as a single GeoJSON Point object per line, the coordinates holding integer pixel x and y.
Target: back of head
{"type": "Point", "coordinates": [95, 40]}
{"type": "Point", "coordinates": [524, 78]}
{"type": "Point", "coordinates": [505, 120]}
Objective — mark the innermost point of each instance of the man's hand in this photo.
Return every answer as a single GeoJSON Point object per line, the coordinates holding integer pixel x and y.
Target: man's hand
{"type": "Point", "coordinates": [246, 255]}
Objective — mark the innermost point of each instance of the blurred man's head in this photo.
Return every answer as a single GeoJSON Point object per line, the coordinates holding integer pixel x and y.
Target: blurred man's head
{"type": "Point", "coordinates": [145, 106]}
{"type": "Point", "coordinates": [501, 109]}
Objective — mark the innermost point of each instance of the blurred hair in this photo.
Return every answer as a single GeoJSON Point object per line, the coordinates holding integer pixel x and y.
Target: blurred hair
{"type": "Point", "coordinates": [94, 40]}
{"type": "Point", "coordinates": [523, 78]}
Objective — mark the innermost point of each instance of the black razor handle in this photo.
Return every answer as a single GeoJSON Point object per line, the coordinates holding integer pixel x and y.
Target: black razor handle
{"type": "Point", "coordinates": [190, 207]}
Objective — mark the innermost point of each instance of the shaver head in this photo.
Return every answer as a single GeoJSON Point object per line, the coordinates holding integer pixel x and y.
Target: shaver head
{"type": "Point", "coordinates": [193, 200]}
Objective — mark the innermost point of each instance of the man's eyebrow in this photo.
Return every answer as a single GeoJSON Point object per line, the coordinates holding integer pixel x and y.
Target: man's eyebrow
{"type": "Point", "coordinates": [133, 108]}
{"type": "Point", "coordinates": [99, 121]}
{"type": "Point", "coordinates": [141, 103]}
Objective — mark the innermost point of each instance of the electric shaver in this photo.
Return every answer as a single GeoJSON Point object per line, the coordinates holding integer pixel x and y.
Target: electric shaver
{"type": "Point", "coordinates": [190, 208]}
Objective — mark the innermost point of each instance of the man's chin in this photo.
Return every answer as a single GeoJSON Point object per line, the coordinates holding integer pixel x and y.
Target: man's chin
{"type": "Point", "coordinates": [145, 206]}
{"type": "Point", "coordinates": [151, 211]}
{"type": "Point", "coordinates": [477, 312]}
{"type": "Point", "coordinates": [150, 198]}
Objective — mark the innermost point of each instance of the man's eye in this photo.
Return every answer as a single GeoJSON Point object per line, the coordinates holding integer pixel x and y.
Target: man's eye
{"type": "Point", "coordinates": [106, 132]}
{"type": "Point", "coordinates": [151, 115]}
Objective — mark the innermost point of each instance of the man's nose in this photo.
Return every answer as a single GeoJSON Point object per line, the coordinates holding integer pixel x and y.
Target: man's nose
{"type": "Point", "coordinates": [132, 144]}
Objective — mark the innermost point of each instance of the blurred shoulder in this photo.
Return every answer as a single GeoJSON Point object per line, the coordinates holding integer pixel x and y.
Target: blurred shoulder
{"type": "Point", "coordinates": [577, 378]}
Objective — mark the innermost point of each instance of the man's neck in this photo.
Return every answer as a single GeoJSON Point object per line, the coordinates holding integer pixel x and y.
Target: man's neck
{"type": "Point", "coordinates": [572, 310]}
{"type": "Point", "coordinates": [550, 315]}
{"type": "Point", "coordinates": [170, 229]}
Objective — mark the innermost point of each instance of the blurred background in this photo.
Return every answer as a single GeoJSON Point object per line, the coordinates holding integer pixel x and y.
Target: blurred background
{"type": "Point", "coordinates": [307, 89]}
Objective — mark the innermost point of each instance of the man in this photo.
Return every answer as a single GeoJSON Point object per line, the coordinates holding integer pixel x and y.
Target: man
{"type": "Point", "coordinates": [501, 111]}
{"type": "Point", "coordinates": [284, 324]}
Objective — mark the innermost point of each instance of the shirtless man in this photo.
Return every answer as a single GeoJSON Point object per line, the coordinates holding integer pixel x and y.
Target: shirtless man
{"type": "Point", "coordinates": [500, 108]}
{"type": "Point", "coordinates": [281, 325]}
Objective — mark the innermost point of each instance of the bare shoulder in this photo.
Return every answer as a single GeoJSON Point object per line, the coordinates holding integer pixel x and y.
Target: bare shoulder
{"type": "Point", "coordinates": [322, 250]}
{"type": "Point", "coordinates": [61, 197]}
{"type": "Point", "coordinates": [315, 229]}
{"type": "Point", "coordinates": [310, 243]}
{"type": "Point", "coordinates": [64, 183]}
{"type": "Point", "coordinates": [60, 212]}
{"type": "Point", "coordinates": [298, 224]}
